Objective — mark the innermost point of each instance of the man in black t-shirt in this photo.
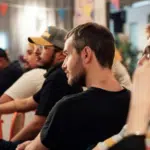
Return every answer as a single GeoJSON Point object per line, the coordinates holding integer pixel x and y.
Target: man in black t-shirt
{"type": "Point", "coordinates": [55, 86]}
{"type": "Point", "coordinates": [53, 89]}
{"type": "Point", "coordinates": [80, 120]}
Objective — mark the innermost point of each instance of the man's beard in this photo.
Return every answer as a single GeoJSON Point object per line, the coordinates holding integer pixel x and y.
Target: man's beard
{"type": "Point", "coordinates": [26, 67]}
{"type": "Point", "coordinates": [49, 64]}
{"type": "Point", "coordinates": [79, 79]}
{"type": "Point", "coordinates": [46, 65]}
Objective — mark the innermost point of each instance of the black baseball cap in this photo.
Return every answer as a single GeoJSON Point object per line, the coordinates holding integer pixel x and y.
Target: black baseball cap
{"type": "Point", "coordinates": [52, 36]}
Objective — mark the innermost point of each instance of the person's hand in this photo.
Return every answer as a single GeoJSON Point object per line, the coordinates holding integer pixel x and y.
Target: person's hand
{"type": "Point", "coordinates": [23, 145]}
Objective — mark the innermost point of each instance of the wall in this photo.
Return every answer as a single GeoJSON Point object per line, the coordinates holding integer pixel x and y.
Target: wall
{"type": "Point", "coordinates": [140, 16]}
{"type": "Point", "coordinates": [100, 14]}
{"type": "Point", "coordinates": [30, 18]}
{"type": "Point", "coordinates": [90, 10]}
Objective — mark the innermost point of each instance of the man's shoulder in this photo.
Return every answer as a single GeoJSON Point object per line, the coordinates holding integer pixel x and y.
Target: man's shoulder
{"type": "Point", "coordinates": [125, 93]}
{"type": "Point", "coordinates": [56, 74]}
{"type": "Point", "coordinates": [72, 99]}
{"type": "Point", "coordinates": [14, 71]}
{"type": "Point", "coordinates": [35, 72]}
{"type": "Point", "coordinates": [96, 94]}
{"type": "Point", "coordinates": [15, 66]}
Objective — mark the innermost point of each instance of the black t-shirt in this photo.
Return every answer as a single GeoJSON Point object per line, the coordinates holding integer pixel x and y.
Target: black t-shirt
{"type": "Point", "coordinates": [54, 88]}
{"type": "Point", "coordinates": [81, 120]}
{"type": "Point", "coordinates": [9, 75]}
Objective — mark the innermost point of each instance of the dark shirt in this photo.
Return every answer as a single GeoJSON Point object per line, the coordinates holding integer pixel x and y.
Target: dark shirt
{"type": "Point", "coordinates": [132, 142]}
{"type": "Point", "coordinates": [53, 89]}
{"type": "Point", "coordinates": [9, 75]}
{"type": "Point", "coordinates": [84, 119]}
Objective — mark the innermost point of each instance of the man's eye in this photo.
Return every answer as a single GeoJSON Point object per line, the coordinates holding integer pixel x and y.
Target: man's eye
{"type": "Point", "coordinates": [29, 53]}
{"type": "Point", "coordinates": [66, 54]}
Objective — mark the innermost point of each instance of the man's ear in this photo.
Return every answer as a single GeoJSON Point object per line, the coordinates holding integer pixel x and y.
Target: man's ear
{"type": "Point", "coordinates": [86, 54]}
{"type": "Point", "coordinates": [60, 56]}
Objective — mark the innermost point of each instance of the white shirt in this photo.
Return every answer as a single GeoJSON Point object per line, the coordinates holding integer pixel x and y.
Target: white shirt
{"type": "Point", "coordinates": [28, 84]}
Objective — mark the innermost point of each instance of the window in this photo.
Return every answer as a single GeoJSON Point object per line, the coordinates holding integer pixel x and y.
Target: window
{"type": "Point", "coordinates": [3, 40]}
{"type": "Point", "coordinates": [134, 35]}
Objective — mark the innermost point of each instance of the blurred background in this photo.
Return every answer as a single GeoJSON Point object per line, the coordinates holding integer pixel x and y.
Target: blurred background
{"type": "Point", "coordinates": [126, 19]}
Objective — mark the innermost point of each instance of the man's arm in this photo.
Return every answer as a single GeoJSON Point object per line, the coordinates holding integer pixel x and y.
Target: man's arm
{"type": "Point", "coordinates": [31, 130]}
{"type": "Point", "coordinates": [5, 98]}
{"type": "Point", "coordinates": [22, 105]}
{"type": "Point", "coordinates": [22, 89]}
{"type": "Point", "coordinates": [32, 145]}
{"type": "Point", "coordinates": [49, 136]}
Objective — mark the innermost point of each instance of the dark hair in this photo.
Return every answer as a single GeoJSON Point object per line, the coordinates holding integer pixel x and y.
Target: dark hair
{"type": "Point", "coordinates": [57, 49]}
{"type": "Point", "coordinates": [98, 38]}
{"type": "Point", "coordinates": [147, 50]}
{"type": "Point", "coordinates": [3, 54]}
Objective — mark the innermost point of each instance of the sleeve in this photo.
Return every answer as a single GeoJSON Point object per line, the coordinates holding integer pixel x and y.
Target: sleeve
{"type": "Point", "coordinates": [52, 91]}
{"type": "Point", "coordinates": [133, 142]}
{"type": "Point", "coordinates": [24, 87]}
{"type": "Point", "coordinates": [36, 96]}
{"type": "Point", "coordinates": [55, 127]}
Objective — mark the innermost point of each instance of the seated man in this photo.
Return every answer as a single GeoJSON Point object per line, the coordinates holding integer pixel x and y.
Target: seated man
{"type": "Point", "coordinates": [9, 71]}
{"type": "Point", "coordinates": [79, 120]}
{"type": "Point", "coordinates": [21, 88]}
{"type": "Point", "coordinates": [54, 88]}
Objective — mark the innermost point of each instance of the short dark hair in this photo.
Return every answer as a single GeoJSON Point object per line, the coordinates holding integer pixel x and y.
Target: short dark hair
{"type": "Point", "coordinates": [3, 54]}
{"type": "Point", "coordinates": [98, 38]}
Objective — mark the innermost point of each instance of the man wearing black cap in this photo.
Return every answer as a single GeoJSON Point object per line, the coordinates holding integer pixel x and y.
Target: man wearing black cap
{"type": "Point", "coordinates": [53, 89]}
{"type": "Point", "coordinates": [9, 72]}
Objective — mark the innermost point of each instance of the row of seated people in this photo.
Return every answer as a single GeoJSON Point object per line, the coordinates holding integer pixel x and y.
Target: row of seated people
{"type": "Point", "coordinates": [66, 116]}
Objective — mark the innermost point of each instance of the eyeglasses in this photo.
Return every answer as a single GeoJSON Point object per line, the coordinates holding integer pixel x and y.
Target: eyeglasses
{"type": "Point", "coordinates": [55, 48]}
{"type": "Point", "coordinates": [45, 47]}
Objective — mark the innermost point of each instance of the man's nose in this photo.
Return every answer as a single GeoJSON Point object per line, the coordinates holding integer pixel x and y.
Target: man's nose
{"type": "Point", "coordinates": [64, 64]}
